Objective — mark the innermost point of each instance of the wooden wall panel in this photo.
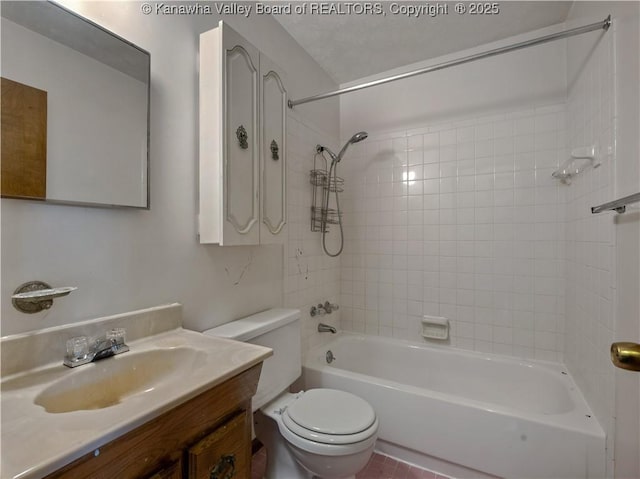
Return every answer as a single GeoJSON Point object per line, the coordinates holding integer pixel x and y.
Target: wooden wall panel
{"type": "Point", "coordinates": [23, 145]}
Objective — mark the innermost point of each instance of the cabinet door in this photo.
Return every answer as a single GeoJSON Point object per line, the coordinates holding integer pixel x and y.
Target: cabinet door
{"type": "Point", "coordinates": [241, 140]}
{"type": "Point", "coordinates": [273, 208]}
{"type": "Point", "coordinates": [225, 453]}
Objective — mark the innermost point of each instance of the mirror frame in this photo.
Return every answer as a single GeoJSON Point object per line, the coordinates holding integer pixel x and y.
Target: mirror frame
{"type": "Point", "coordinates": [148, 158]}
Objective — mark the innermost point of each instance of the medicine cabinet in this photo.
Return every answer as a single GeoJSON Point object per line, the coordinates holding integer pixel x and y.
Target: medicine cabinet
{"type": "Point", "coordinates": [242, 142]}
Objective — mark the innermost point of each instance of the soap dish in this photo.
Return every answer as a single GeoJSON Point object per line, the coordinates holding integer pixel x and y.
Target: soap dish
{"type": "Point", "coordinates": [36, 296]}
{"type": "Point", "coordinates": [44, 294]}
{"type": "Point", "coordinates": [435, 327]}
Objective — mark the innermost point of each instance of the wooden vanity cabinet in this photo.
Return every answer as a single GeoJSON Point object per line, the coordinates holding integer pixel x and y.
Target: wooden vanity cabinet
{"type": "Point", "coordinates": [207, 437]}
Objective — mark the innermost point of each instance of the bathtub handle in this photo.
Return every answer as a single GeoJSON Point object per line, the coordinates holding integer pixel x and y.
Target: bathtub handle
{"type": "Point", "coordinates": [330, 307]}
{"type": "Point", "coordinates": [322, 309]}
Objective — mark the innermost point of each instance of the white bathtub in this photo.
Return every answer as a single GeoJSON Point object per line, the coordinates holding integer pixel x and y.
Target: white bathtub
{"type": "Point", "coordinates": [457, 411]}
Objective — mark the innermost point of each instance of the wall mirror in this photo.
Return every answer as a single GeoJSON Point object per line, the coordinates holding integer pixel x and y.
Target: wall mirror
{"type": "Point", "coordinates": [75, 109]}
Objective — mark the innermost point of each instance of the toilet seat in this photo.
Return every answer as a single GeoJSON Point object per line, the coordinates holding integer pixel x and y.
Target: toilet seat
{"type": "Point", "coordinates": [329, 416]}
{"type": "Point", "coordinates": [324, 449]}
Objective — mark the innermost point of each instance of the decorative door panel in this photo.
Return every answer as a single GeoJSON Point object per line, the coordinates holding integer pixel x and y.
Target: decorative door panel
{"type": "Point", "coordinates": [274, 165]}
{"type": "Point", "coordinates": [241, 155]}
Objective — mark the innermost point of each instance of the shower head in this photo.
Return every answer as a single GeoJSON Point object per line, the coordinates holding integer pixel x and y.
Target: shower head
{"type": "Point", "coordinates": [362, 135]}
{"type": "Point", "coordinates": [354, 139]}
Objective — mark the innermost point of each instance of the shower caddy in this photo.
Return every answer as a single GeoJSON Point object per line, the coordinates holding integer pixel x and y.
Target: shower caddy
{"type": "Point", "coordinates": [323, 185]}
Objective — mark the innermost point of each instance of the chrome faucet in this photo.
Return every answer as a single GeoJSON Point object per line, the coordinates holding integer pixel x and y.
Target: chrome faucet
{"type": "Point", "coordinates": [83, 350]}
{"type": "Point", "coordinates": [325, 328]}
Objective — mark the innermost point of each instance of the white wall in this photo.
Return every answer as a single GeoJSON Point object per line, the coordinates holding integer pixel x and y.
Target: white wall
{"type": "Point", "coordinates": [502, 83]}
{"type": "Point", "coordinates": [603, 252]}
{"type": "Point", "coordinates": [89, 105]}
{"type": "Point", "coordinates": [124, 260]}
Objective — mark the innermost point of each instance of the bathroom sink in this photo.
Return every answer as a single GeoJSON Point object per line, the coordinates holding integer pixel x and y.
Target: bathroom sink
{"type": "Point", "coordinates": [75, 411]}
{"type": "Point", "coordinates": [111, 381]}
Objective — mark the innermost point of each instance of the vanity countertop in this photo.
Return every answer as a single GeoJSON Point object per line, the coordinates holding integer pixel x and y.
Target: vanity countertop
{"type": "Point", "coordinates": [36, 442]}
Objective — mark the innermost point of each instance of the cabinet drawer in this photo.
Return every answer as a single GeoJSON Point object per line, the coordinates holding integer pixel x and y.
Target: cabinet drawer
{"type": "Point", "coordinates": [172, 471]}
{"type": "Point", "coordinates": [225, 453]}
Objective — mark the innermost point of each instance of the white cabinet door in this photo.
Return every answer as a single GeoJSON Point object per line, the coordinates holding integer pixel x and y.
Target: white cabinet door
{"type": "Point", "coordinates": [273, 208]}
{"type": "Point", "coordinates": [241, 145]}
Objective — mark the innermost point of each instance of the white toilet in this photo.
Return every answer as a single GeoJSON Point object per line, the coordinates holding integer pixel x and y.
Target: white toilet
{"type": "Point", "coordinates": [318, 433]}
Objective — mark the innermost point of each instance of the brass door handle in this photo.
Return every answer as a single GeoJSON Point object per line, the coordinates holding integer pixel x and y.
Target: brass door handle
{"type": "Point", "coordinates": [626, 355]}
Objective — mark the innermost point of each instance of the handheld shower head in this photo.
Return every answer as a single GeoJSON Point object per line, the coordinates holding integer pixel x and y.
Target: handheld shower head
{"type": "Point", "coordinates": [361, 135]}
{"type": "Point", "coordinates": [331, 185]}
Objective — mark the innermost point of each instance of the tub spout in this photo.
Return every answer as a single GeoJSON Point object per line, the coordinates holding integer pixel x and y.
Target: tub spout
{"type": "Point", "coordinates": [325, 328]}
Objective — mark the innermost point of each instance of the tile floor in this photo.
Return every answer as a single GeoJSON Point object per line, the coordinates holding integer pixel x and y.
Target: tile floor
{"type": "Point", "coordinates": [258, 463]}
{"type": "Point", "coordinates": [385, 467]}
{"type": "Point", "coordinates": [379, 467]}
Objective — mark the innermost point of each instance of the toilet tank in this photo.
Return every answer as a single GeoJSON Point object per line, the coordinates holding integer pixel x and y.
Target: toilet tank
{"type": "Point", "coordinates": [278, 329]}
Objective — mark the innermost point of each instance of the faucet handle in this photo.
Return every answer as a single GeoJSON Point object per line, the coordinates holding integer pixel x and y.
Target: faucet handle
{"type": "Point", "coordinates": [329, 307]}
{"type": "Point", "coordinates": [317, 310]}
{"type": "Point", "coordinates": [78, 351]}
{"type": "Point", "coordinates": [117, 336]}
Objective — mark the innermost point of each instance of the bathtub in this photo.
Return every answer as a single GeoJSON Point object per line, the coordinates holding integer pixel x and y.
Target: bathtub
{"type": "Point", "coordinates": [464, 413]}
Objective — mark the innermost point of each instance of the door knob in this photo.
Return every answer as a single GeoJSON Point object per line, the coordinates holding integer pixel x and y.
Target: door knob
{"type": "Point", "coordinates": [626, 355]}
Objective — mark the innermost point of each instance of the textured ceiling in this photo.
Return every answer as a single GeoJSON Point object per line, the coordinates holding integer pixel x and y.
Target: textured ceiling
{"type": "Point", "coordinates": [352, 46]}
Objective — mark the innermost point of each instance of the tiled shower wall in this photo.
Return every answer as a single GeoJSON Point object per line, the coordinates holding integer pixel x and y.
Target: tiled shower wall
{"type": "Point", "coordinates": [591, 256]}
{"type": "Point", "coordinates": [461, 220]}
{"type": "Point", "coordinates": [311, 277]}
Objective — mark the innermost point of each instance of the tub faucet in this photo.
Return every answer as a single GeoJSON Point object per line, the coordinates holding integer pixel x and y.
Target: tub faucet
{"type": "Point", "coordinates": [325, 328]}
{"type": "Point", "coordinates": [82, 350]}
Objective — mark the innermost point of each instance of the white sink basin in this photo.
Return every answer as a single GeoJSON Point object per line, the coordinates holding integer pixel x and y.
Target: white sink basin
{"type": "Point", "coordinates": [110, 381]}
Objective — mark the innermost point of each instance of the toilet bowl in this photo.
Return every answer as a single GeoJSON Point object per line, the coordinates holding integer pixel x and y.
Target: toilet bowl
{"type": "Point", "coordinates": [321, 433]}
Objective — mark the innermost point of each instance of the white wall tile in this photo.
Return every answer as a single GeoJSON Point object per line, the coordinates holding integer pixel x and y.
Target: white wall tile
{"type": "Point", "coordinates": [311, 277]}
{"type": "Point", "coordinates": [471, 237]}
{"type": "Point", "coordinates": [588, 282]}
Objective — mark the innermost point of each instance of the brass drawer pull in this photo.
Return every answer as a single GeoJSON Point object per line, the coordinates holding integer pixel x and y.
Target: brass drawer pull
{"type": "Point", "coordinates": [226, 465]}
{"type": "Point", "coordinates": [626, 356]}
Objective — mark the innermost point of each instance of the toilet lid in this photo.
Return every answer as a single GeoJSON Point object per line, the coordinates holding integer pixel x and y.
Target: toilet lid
{"type": "Point", "coordinates": [332, 412]}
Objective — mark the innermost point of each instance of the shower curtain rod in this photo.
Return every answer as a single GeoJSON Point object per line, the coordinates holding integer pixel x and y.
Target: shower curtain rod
{"type": "Point", "coordinates": [603, 25]}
